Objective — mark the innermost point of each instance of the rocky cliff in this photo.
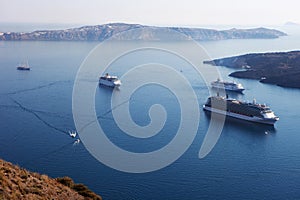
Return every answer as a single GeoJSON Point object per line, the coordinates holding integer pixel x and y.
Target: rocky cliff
{"type": "Point", "coordinates": [149, 33]}
{"type": "Point", "coordinates": [280, 68]}
{"type": "Point", "coordinates": [17, 183]}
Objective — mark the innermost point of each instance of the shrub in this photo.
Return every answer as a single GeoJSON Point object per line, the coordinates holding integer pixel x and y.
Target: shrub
{"type": "Point", "coordinates": [85, 191]}
{"type": "Point", "coordinates": [67, 181]}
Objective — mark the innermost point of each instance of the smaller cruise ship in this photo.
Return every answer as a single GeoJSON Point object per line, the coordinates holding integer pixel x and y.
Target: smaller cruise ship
{"type": "Point", "coordinates": [23, 66]}
{"type": "Point", "coordinates": [228, 86]}
{"type": "Point", "coordinates": [110, 81]}
{"type": "Point", "coordinates": [253, 112]}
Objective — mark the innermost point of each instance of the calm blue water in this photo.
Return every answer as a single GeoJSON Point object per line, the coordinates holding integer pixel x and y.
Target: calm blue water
{"type": "Point", "coordinates": [250, 161]}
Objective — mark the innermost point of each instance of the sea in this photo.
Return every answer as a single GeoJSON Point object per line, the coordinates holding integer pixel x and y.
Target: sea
{"type": "Point", "coordinates": [248, 161]}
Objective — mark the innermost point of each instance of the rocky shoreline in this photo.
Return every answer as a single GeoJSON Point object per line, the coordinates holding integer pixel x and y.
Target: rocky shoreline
{"type": "Point", "coordinates": [279, 68]}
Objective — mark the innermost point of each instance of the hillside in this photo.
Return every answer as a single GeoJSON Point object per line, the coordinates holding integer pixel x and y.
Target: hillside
{"type": "Point", "coordinates": [280, 68]}
{"type": "Point", "coordinates": [17, 183]}
{"type": "Point", "coordinates": [141, 32]}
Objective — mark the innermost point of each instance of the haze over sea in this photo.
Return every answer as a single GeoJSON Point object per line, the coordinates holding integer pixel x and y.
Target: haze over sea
{"type": "Point", "coordinates": [250, 161]}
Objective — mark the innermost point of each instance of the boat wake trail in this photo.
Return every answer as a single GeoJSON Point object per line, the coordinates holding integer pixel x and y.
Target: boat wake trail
{"type": "Point", "coordinates": [49, 153]}
{"type": "Point", "coordinates": [52, 114]}
{"type": "Point", "coordinates": [103, 116]}
{"type": "Point", "coordinates": [113, 108]}
{"type": "Point", "coordinates": [35, 88]}
{"type": "Point", "coordinates": [38, 117]}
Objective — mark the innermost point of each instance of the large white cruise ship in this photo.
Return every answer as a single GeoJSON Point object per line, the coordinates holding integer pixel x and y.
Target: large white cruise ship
{"type": "Point", "coordinates": [228, 86]}
{"type": "Point", "coordinates": [110, 81]}
{"type": "Point", "coordinates": [242, 110]}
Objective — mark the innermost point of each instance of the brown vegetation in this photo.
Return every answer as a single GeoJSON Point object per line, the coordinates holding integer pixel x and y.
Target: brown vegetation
{"type": "Point", "coordinates": [17, 183]}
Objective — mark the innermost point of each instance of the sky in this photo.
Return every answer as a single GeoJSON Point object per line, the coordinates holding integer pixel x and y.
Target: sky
{"type": "Point", "coordinates": [151, 12]}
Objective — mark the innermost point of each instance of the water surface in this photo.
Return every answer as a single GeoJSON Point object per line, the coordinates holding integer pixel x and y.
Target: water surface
{"type": "Point", "coordinates": [250, 161]}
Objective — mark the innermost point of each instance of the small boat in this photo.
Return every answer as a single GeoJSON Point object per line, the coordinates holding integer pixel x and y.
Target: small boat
{"type": "Point", "coordinates": [73, 134]}
{"type": "Point", "coordinates": [110, 81]}
{"type": "Point", "coordinates": [23, 66]}
{"type": "Point", "coordinates": [228, 86]}
{"type": "Point", "coordinates": [76, 142]}
{"type": "Point", "coordinates": [253, 112]}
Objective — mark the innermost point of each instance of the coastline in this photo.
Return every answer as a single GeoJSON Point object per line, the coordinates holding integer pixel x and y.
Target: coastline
{"type": "Point", "coordinates": [278, 68]}
{"type": "Point", "coordinates": [18, 183]}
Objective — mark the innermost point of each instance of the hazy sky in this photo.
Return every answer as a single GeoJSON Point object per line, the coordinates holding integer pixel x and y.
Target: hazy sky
{"type": "Point", "coordinates": [152, 12]}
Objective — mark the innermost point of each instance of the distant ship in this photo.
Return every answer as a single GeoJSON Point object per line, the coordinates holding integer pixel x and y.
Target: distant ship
{"type": "Point", "coordinates": [23, 66]}
{"type": "Point", "coordinates": [253, 112]}
{"type": "Point", "coordinates": [228, 86]}
{"type": "Point", "coordinates": [110, 81]}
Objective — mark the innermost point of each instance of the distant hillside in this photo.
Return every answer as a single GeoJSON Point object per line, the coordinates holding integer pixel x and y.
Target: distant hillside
{"type": "Point", "coordinates": [291, 24]}
{"type": "Point", "coordinates": [281, 68]}
{"type": "Point", "coordinates": [103, 32]}
{"type": "Point", "coordinates": [17, 183]}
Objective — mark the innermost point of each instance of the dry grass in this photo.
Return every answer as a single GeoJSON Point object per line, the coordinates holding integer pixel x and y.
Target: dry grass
{"type": "Point", "coordinates": [17, 183]}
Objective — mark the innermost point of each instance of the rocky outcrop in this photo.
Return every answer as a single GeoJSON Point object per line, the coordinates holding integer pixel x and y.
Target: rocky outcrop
{"type": "Point", "coordinates": [17, 183]}
{"type": "Point", "coordinates": [280, 68]}
{"type": "Point", "coordinates": [150, 33]}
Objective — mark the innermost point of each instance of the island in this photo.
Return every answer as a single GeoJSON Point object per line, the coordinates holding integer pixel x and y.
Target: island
{"type": "Point", "coordinates": [141, 32]}
{"type": "Point", "coordinates": [280, 68]}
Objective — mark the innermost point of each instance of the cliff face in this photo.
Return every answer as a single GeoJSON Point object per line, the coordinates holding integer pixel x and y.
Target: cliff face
{"type": "Point", "coordinates": [103, 32]}
{"type": "Point", "coordinates": [17, 183]}
{"type": "Point", "coordinates": [282, 68]}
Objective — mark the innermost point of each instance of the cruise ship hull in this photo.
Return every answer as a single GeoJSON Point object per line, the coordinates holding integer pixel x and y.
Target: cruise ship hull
{"type": "Point", "coordinates": [109, 83]}
{"type": "Point", "coordinates": [229, 89]}
{"type": "Point", "coordinates": [228, 86]}
{"type": "Point", "coordinates": [270, 121]}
